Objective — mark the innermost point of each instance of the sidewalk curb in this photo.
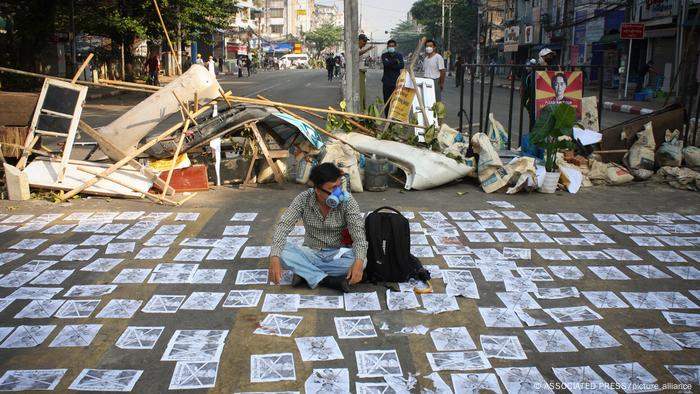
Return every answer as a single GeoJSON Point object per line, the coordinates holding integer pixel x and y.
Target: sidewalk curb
{"type": "Point", "coordinates": [98, 96]}
{"type": "Point", "coordinates": [629, 109]}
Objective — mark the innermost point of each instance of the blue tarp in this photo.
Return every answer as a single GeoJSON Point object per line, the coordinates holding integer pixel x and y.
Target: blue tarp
{"type": "Point", "coordinates": [279, 48]}
{"type": "Point", "coordinates": [309, 132]}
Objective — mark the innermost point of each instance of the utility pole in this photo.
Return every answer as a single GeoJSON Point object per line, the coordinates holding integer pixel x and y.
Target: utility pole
{"type": "Point", "coordinates": [478, 33]}
{"type": "Point", "coordinates": [351, 93]}
{"type": "Point", "coordinates": [73, 41]}
{"type": "Point", "coordinates": [442, 24]}
{"type": "Point", "coordinates": [449, 42]}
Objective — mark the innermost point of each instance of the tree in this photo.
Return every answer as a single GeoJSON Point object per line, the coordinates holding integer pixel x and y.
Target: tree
{"type": "Point", "coordinates": [406, 36]}
{"type": "Point", "coordinates": [325, 36]}
{"type": "Point", "coordinates": [428, 13]}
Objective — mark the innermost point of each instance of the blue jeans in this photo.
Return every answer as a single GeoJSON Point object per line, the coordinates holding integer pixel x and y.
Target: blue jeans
{"type": "Point", "coordinates": [314, 265]}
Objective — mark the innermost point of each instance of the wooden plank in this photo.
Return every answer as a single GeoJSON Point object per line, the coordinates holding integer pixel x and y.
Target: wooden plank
{"type": "Point", "coordinates": [108, 145]}
{"type": "Point", "coordinates": [251, 166]}
{"type": "Point", "coordinates": [17, 109]}
{"type": "Point", "coordinates": [73, 128]}
{"type": "Point", "coordinates": [177, 153]}
{"type": "Point", "coordinates": [279, 154]}
{"type": "Point", "coordinates": [82, 67]}
{"type": "Point", "coordinates": [150, 196]}
{"type": "Point", "coordinates": [16, 183]}
{"type": "Point", "coordinates": [279, 178]}
{"type": "Point", "coordinates": [186, 110]}
{"type": "Point", "coordinates": [26, 150]}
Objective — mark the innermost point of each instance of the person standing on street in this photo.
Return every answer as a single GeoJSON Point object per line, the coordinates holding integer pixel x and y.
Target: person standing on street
{"type": "Point", "coordinates": [393, 64]}
{"type": "Point", "coordinates": [459, 71]}
{"type": "Point", "coordinates": [647, 68]}
{"type": "Point", "coordinates": [199, 59]}
{"type": "Point", "coordinates": [362, 42]}
{"type": "Point", "coordinates": [248, 64]}
{"type": "Point", "coordinates": [239, 66]}
{"type": "Point", "coordinates": [434, 68]}
{"type": "Point", "coordinates": [153, 68]}
{"type": "Point", "coordinates": [211, 66]}
{"type": "Point", "coordinates": [546, 57]}
{"type": "Point", "coordinates": [330, 65]}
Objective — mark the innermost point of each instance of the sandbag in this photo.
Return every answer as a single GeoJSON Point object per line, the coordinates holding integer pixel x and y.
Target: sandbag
{"type": "Point", "coordinates": [446, 136]}
{"type": "Point", "coordinates": [691, 156]}
{"type": "Point", "coordinates": [618, 175]}
{"type": "Point", "coordinates": [680, 178]}
{"type": "Point", "coordinates": [344, 158]}
{"type": "Point", "coordinates": [523, 174]}
{"type": "Point", "coordinates": [265, 175]}
{"type": "Point", "coordinates": [670, 153]}
{"type": "Point", "coordinates": [497, 134]}
{"type": "Point", "coordinates": [492, 174]}
{"type": "Point", "coordinates": [589, 116]}
{"type": "Point", "coordinates": [641, 153]}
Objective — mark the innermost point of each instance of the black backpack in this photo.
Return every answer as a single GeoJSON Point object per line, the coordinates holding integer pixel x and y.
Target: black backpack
{"type": "Point", "coordinates": [389, 256]}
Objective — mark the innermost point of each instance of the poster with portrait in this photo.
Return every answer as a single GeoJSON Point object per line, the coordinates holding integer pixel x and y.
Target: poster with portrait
{"type": "Point", "coordinates": [554, 87]}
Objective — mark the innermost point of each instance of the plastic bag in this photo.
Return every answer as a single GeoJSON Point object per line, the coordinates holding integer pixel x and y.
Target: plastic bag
{"type": "Point", "coordinates": [691, 156]}
{"type": "Point", "coordinates": [497, 134]}
{"type": "Point", "coordinates": [641, 154]}
{"type": "Point", "coordinates": [670, 154]}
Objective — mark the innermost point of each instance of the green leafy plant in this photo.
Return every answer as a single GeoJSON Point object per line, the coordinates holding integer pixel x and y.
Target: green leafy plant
{"type": "Point", "coordinates": [553, 131]}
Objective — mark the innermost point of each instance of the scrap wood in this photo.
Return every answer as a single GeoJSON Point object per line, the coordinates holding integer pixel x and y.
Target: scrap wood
{"type": "Point", "coordinates": [20, 147]}
{"type": "Point", "coordinates": [127, 84]}
{"type": "Point", "coordinates": [263, 147]}
{"type": "Point", "coordinates": [130, 157]}
{"type": "Point", "coordinates": [358, 126]}
{"type": "Point", "coordinates": [167, 36]}
{"type": "Point", "coordinates": [177, 153]}
{"type": "Point", "coordinates": [186, 109]}
{"type": "Point", "coordinates": [82, 67]}
{"type": "Point", "coordinates": [88, 83]}
{"type": "Point", "coordinates": [248, 100]}
{"type": "Point", "coordinates": [107, 144]}
{"type": "Point", "coordinates": [151, 196]}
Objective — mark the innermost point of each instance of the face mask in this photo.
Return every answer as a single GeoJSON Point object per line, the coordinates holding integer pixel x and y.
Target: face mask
{"type": "Point", "coordinates": [391, 50]}
{"type": "Point", "coordinates": [336, 197]}
{"type": "Point", "coordinates": [429, 49]}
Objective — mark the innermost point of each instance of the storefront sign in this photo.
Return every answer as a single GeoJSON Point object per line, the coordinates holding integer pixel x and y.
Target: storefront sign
{"type": "Point", "coordinates": [510, 47]}
{"type": "Point", "coordinates": [554, 87]}
{"type": "Point", "coordinates": [658, 8]}
{"type": "Point", "coordinates": [632, 31]}
{"type": "Point", "coordinates": [512, 35]}
{"type": "Point", "coordinates": [595, 29]}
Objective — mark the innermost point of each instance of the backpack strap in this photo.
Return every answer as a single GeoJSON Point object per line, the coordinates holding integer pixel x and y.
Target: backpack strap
{"type": "Point", "coordinates": [388, 208]}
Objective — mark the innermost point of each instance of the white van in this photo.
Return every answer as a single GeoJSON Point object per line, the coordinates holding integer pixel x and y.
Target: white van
{"type": "Point", "coordinates": [291, 60]}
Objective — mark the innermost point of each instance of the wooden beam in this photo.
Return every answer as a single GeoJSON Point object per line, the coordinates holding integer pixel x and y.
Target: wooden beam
{"type": "Point", "coordinates": [184, 200]}
{"type": "Point", "coordinates": [25, 154]}
{"type": "Point", "coordinates": [279, 178]}
{"type": "Point", "coordinates": [107, 144]}
{"type": "Point", "coordinates": [151, 196]}
{"type": "Point", "coordinates": [187, 110]}
{"type": "Point", "coordinates": [88, 83]}
{"type": "Point", "coordinates": [177, 152]}
{"type": "Point", "coordinates": [167, 37]}
{"type": "Point", "coordinates": [82, 67]}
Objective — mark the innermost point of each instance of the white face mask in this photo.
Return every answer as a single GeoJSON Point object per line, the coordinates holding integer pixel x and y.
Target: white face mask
{"type": "Point", "coordinates": [429, 50]}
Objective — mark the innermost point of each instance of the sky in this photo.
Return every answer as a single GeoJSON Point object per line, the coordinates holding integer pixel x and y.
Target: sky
{"type": "Point", "coordinates": [377, 16]}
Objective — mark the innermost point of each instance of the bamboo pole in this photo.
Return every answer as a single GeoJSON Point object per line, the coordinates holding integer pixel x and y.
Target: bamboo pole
{"type": "Point", "coordinates": [184, 200]}
{"type": "Point", "coordinates": [88, 83]}
{"type": "Point", "coordinates": [36, 152]}
{"type": "Point", "coordinates": [314, 109]}
{"type": "Point", "coordinates": [186, 109]}
{"type": "Point", "coordinates": [177, 152]}
{"type": "Point", "coordinates": [82, 67]}
{"type": "Point", "coordinates": [151, 196]}
{"type": "Point", "coordinates": [167, 37]}
{"type": "Point", "coordinates": [126, 159]}
{"type": "Point", "coordinates": [104, 143]}
{"type": "Point", "coordinates": [128, 84]}
{"type": "Point", "coordinates": [358, 126]}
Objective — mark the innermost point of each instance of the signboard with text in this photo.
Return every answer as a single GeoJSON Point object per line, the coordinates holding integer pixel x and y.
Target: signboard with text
{"type": "Point", "coordinates": [632, 31]}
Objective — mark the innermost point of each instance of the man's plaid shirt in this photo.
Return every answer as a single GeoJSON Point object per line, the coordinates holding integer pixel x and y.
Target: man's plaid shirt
{"type": "Point", "coordinates": [322, 233]}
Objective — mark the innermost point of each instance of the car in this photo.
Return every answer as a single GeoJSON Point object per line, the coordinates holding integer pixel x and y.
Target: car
{"type": "Point", "coordinates": [300, 60]}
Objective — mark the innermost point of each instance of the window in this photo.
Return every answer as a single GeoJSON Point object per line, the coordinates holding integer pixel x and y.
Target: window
{"type": "Point", "coordinates": [276, 29]}
{"type": "Point", "coordinates": [276, 4]}
{"type": "Point", "coordinates": [276, 12]}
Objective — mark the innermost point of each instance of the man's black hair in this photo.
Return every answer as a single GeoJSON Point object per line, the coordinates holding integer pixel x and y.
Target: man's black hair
{"type": "Point", "coordinates": [323, 173]}
{"type": "Point", "coordinates": [363, 37]}
{"type": "Point", "coordinates": [431, 40]}
{"type": "Point", "coordinates": [392, 41]}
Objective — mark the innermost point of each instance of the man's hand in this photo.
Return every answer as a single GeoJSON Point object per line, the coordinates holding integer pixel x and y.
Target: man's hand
{"type": "Point", "coordinates": [356, 271]}
{"type": "Point", "coordinates": [275, 270]}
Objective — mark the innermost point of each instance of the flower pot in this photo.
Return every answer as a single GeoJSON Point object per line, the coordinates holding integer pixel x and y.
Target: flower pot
{"type": "Point", "coordinates": [550, 182]}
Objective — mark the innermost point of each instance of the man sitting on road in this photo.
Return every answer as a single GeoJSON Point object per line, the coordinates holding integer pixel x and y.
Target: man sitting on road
{"type": "Point", "coordinates": [326, 211]}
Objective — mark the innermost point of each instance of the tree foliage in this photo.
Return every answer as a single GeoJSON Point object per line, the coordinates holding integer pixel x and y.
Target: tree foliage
{"type": "Point", "coordinates": [325, 36]}
{"type": "Point", "coordinates": [406, 36]}
{"type": "Point", "coordinates": [428, 13]}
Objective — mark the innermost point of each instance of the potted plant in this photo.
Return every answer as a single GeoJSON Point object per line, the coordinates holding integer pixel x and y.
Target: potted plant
{"type": "Point", "coordinates": [552, 132]}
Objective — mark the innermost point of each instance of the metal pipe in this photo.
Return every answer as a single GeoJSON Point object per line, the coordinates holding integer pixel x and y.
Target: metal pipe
{"type": "Point", "coordinates": [600, 96]}
{"type": "Point", "coordinates": [461, 96]}
{"type": "Point", "coordinates": [531, 114]}
{"type": "Point", "coordinates": [510, 108]}
{"type": "Point", "coordinates": [471, 102]}
{"type": "Point", "coordinates": [481, 97]}
{"type": "Point", "coordinates": [488, 103]}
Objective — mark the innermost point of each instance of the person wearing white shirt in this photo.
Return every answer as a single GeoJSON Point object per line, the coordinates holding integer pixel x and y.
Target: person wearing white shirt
{"type": "Point", "coordinates": [211, 66]}
{"type": "Point", "coordinates": [434, 68]}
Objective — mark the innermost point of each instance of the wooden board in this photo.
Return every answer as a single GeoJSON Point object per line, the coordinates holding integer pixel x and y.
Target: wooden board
{"type": "Point", "coordinates": [191, 179]}
{"type": "Point", "coordinates": [15, 136]}
{"type": "Point", "coordinates": [43, 173]}
{"type": "Point", "coordinates": [17, 109]}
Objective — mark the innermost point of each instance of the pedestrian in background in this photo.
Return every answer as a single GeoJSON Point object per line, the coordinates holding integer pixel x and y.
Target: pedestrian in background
{"type": "Point", "coordinates": [393, 64]}
{"type": "Point", "coordinates": [239, 65]}
{"type": "Point", "coordinates": [330, 65]}
{"type": "Point", "coordinates": [199, 59]}
{"type": "Point", "coordinates": [211, 66]}
{"type": "Point", "coordinates": [647, 68]}
{"type": "Point", "coordinates": [459, 71]}
{"type": "Point", "coordinates": [248, 64]}
{"type": "Point", "coordinates": [434, 68]}
{"type": "Point", "coordinates": [362, 43]}
{"type": "Point", "coordinates": [153, 69]}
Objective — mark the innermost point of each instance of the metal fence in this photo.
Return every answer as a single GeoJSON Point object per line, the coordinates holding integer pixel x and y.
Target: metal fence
{"type": "Point", "coordinates": [477, 74]}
